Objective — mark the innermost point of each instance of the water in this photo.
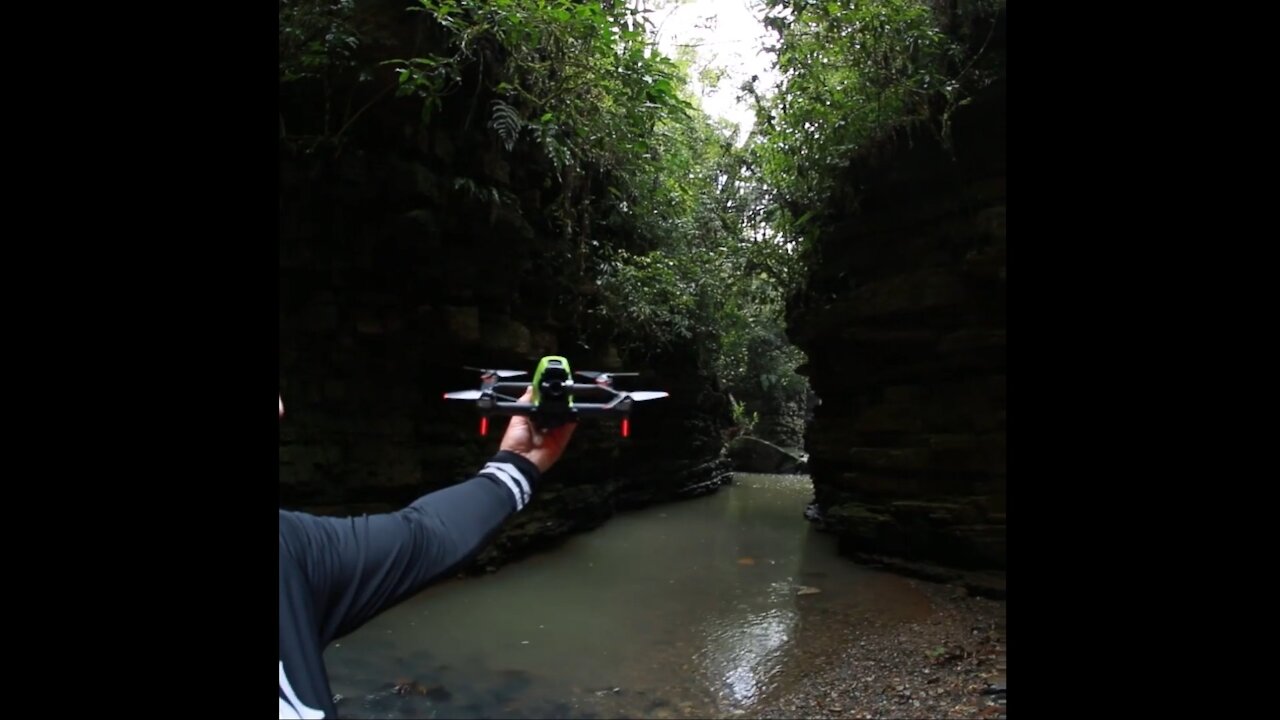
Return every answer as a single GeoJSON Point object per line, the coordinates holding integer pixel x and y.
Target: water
{"type": "Point", "coordinates": [685, 610]}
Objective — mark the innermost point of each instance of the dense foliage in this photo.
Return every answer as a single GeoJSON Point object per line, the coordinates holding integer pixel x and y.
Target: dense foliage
{"type": "Point", "coordinates": [852, 72]}
{"type": "Point", "coordinates": [691, 237]}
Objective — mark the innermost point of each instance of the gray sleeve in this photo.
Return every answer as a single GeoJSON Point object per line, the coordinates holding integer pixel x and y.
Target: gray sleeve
{"type": "Point", "coordinates": [360, 566]}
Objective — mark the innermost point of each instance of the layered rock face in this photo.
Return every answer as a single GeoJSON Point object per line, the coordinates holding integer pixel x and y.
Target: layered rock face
{"type": "Point", "coordinates": [904, 325]}
{"type": "Point", "coordinates": [781, 419]}
{"type": "Point", "coordinates": [380, 309]}
{"type": "Point", "coordinates": [412, 250]}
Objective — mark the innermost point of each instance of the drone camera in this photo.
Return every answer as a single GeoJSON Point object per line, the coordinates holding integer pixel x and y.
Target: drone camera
{"type": "Point", "coordinates": [554, 379]}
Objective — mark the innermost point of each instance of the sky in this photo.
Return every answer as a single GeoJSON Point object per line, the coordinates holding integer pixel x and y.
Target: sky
{"type": "Point", "coordinates": [729, 35]}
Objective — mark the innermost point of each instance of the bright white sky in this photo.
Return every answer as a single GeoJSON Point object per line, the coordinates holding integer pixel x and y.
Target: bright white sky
{"type": "Point", "coordinates": [729, 35]}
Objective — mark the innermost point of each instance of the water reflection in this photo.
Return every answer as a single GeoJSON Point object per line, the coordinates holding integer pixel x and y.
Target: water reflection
{"type": "Point", "coordinates": [741, 653]}
{"type": "Point", "coordinates": [685, 610]}
{"type": "Point", "coordinates": [743, 644]}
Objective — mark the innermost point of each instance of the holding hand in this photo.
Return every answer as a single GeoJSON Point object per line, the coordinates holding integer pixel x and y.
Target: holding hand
{"type": "Point", "coordinates": [542, 449]}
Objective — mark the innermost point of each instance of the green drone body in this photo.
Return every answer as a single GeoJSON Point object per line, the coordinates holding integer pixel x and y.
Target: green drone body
{"type": "Point", "coordinates": [560, 371]}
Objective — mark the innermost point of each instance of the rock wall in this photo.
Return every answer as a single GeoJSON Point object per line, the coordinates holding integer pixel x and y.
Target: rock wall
{"type": "Point", "coordinates": [782, 419]}
{"type": "Point", "coordinates": [380, 309]}
{"type": "Point", "coordinates": [904, 324]}
{"type": "Point", "coordinates": [409, 250]}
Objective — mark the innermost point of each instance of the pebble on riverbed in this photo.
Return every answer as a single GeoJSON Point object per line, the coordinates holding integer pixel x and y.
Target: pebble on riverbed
{"type": "Point", "coordinates": [949, 665]}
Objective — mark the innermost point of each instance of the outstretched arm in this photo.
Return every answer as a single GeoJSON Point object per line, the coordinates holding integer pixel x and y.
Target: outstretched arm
{"type": "Point", "coordinates": [360, 566]}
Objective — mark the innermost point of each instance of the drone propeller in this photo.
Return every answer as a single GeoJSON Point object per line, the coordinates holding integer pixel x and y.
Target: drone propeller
{"type": "Point", "coordinates": [499, 373]}
{"type": "Point", "coordinates": [463, 395]}
{"type": "Point", "coordinates": [598, 373]}
{"type": "Point", "coordinates": [642, 395]}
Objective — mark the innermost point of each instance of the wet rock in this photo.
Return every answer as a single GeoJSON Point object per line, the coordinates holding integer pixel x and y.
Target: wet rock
{"type": "Point", "coordinates": [657, 704]}
{"type": "Point", "coordinates": [750, 454]}
{"type": "Point", "coordinates": [994, 688]}
{"type": "Point", "coordinates": [438, 694]}
{"type": "Point", "coordinates": [990, 584]}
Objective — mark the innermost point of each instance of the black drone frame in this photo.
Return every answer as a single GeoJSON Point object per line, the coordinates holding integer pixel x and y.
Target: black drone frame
{"type": "Point", "coordinates": [555, 397]}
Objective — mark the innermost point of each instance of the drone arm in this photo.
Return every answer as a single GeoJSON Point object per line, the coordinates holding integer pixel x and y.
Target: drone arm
{"type": "Point", "coordinates": [601, 409]}
{"type": "Point", "coordinates": [571, 387]}
{"type": "Point", "coordinates": [506, 409]}
{"type": "Point", "coordinates": [521, 386]}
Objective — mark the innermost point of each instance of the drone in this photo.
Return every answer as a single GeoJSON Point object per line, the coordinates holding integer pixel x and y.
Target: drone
{"type": "Point", "coordinates": [555, 395]}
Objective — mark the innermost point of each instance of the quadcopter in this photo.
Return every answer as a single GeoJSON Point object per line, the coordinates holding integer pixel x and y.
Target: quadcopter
{"type": "Point", "coordinates": [555, 395]}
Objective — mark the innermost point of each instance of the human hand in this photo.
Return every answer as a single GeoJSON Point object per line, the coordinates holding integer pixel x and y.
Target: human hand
{"type": "Point", "coordinates": [542, 449]}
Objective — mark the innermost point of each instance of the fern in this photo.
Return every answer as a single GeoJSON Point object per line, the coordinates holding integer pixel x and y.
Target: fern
{"type": "Point", "coordinates": [486, 193]}
{"type": "Point", "coordinates": [557, 151]}
{"type": "Point", "coordinates": [507, 122]}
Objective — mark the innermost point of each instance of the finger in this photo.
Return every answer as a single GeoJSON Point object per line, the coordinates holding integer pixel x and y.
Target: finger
{"type": "Point", "coordinates": [528, 394]}
{"type": "Point", "coordinates": [564, 432]}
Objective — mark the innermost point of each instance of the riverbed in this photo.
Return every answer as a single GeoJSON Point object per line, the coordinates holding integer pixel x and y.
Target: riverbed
{"type": "Point", "coordinates": [725, 605]}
